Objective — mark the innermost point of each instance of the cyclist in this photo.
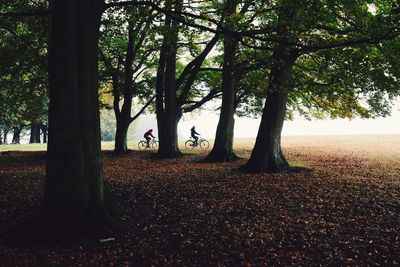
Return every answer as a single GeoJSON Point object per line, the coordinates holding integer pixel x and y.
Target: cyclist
{"type": "Point", "coordinates": [147, 136]}
{"type": "Point", "coordinates": [193, 133]}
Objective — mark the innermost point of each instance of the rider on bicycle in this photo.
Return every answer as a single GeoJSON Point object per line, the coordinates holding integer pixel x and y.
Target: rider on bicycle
{"type": "Point", "coordinates": [147, 136]}
{"type": "Point", "coordinates": [193, 133]}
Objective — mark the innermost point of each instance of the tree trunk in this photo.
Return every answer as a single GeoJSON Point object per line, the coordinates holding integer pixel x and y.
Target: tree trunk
{"type": "Point", "coordinates": [35, 133]}
{"type": "Point", "coordinates": [43, 128]}
{"type": "Point", "coordinates": [169, 135]}
{"type": "Point", "coordinates": [123, 116]}
{"type": "Point", "coordinates": [168, 112]}
{"type": "Point", "coordinates": [16, 135]}
{"type": "Point", "coordinates": [120, 145]}
{"type": "Point", "coordinates": [75, 203]}
{"type": "Point", "coordinates": [222, 150]}
{"type": "Point", "coordinates": [267, 154]}
{"type": "Point", "coordinates": [5, 136]}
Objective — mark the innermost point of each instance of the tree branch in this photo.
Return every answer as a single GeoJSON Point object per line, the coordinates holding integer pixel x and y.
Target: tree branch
{"type": "Point", "coordinates": [195, 62]}
{"type": "Point", "coordinates": [143, 108]}
{"type": "Point", "coordinates": [211, 95]}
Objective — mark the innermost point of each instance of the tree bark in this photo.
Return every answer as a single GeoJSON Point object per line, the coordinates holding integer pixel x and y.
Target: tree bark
{"type": "Point", "coordinates": [16, 135]}
{"type": "Point", "coordinates": [172, 93]}
{"type": "Point", "coordinates": [169, 135]}
{"type": "Point", "coordinates": [43, 128]}
{"type": "Point", "coordinates": [123, 117]}
{"type": "Point", "coordinates": [267, 154]}
{"type": "Point", "coordinates": [120, 144]}
{"type": "Point", "coordinates": [35, 133]}
{"type": "Point", "coordinates": [222, 150]}
{"type": "Point", "coordinates": [167, 109]}
{"type": "Point", "coordinates": [75, 203]}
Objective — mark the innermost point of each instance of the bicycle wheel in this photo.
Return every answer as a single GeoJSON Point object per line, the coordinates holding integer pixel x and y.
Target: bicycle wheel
{"type": "Point", "coordinates": [154, 145]}
{"type": "Point", "coordinates": [142, 145]}
{"type": "Point", "coordinates": [189, 144]}
{"type": "Point", "coordinates": [204, 144]}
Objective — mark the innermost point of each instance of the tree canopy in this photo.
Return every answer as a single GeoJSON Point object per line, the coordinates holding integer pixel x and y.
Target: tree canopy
{"type": "Point", "coordinates": [274, 59]}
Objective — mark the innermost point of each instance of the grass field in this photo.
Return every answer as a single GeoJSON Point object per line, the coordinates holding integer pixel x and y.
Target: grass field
{"type": "Point", "coordinates": [378, 147]}
{"type": "Point", "coordinates": [387, 145]}
{"type": "Point", "coordinates": [344, 211]}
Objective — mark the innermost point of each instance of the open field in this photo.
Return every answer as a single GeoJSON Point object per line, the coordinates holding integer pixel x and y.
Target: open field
{"type": "Point", "coordinates": [345, 211]}
{"type": "Point", "coordinates": [358, 143]}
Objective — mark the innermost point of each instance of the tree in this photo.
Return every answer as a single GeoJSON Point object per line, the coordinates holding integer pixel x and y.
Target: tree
{"type": "Point", "coordinates": [345, 83]}
{"type": "Point", "coordinates": [222, 149]}
{"type": "Point", "coordinates": [132, 69]}
{"type": "Point", "coordinates": [35, 133]}
{"type": "Point", "coordinates": [16, 139]}
{"type": "Point", "coordinates": [296, 35]}
{"type": "Point", "coordinates": [23, 77]}
{"type": "Point", "coordinates": [166, 106]}
{"type": "Point", "coordinates": [75, 201]}
{"type": "Point", "coordinates": [172, 94]}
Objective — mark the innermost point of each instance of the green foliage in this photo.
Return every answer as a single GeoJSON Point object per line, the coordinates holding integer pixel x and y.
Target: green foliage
{"type": "Point", "coordinates": [113, 47]}
{"type": "Point", "coordinates": [345, 82]}
{"type": "Point", "coordinates": [23, 72]}
{"type": "Point", "coordinates": [348, 64]}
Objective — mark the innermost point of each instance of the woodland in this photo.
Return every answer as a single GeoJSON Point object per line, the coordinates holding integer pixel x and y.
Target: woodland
{"type": "Point", "coordinates": [63, 62]}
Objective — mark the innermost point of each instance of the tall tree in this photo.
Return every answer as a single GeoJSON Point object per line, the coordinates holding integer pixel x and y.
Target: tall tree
{"type": "Point", "coordinates": [23, 74]}
{"type": "Point", "coordinates": [35, 133]}
{"type": "Point", "coordinates": [167, 117]}
{"type": "Point", "coordinates": [131, 69]}
{"type": "Point", "coordinates": [268, 142]}
{"type": "Point", "coordinates": [295, 36]}
{"type": "Point", "coordinates": [222, 149]}
{"type": "Point", "coordinates": [173, 93]}
{"type": "Point", "coordinates": [75, 200]}
{"type": "Point", "coordinates": [176, 80]}
{"type": "Point", "coordinates": [16, 139]}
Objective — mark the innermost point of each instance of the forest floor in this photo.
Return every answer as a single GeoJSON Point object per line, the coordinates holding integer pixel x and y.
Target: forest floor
{"type": "Point", "coordinates": [345, 211]}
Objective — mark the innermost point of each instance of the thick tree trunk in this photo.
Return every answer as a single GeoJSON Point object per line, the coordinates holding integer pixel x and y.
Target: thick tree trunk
{"type": "Point", "coordinates": [74, 202]}
{"type": "Point", "coordinates": [168, 112]}
{"type": "Point", "coordinates": [223, 147]}
{"type": "Point", "coordinates": [267, 154]}
{"type": "Point", "coordinates": [169, 135]}
{"type": "Point", "coordinates": [168, 126]}
{"type": "Point", "coordinates": [120, 145]}
{"type": "Point", "coordinates": [35, 133]}
{"type": "Point", "coordinates": [16, 135]}
{"type": "Point", "coordinates": [43, 128]}
{"type": "Point", "coordinates": [123, 116]}
{"type": "Point", "coordinates": [168, 103]}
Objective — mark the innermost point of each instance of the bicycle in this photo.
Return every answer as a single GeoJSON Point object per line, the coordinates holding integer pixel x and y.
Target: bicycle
{"type": "Point", "coordinates": [142, 145]}
{"type": "Point", "coordinates": [203, 143]}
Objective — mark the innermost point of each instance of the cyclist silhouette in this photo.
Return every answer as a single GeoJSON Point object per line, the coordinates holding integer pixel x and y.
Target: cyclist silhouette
{"type": "Point", "coordinates": [147, 136]}
{"type": "Point", "coordinates": [193, 133]}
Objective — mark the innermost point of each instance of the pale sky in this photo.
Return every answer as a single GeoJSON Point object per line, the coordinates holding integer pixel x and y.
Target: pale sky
{"type": "Point", "coordinates": [206, 124]}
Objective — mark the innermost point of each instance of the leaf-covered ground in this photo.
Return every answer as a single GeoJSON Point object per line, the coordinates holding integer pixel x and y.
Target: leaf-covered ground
{"type": "Point", "coordinates": [346, 211]}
